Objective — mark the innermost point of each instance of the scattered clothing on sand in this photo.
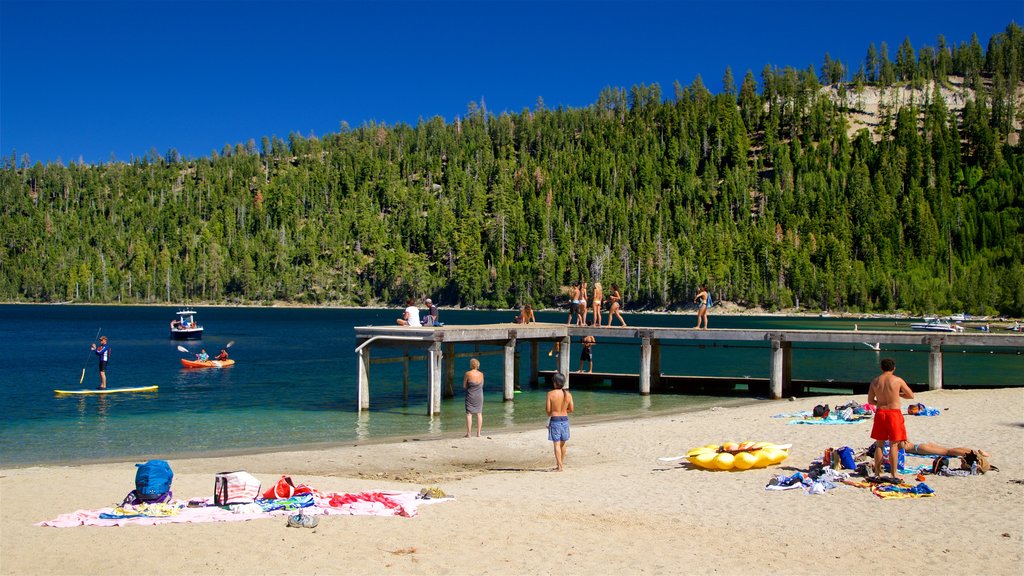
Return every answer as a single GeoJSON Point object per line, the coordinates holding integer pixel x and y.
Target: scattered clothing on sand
{"type": "Point", "coordinates": [922, 410]}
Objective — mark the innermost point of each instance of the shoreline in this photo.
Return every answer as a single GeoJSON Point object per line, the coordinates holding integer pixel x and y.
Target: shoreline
{"type": "Point", "coordinates": [721, 308]}
{"type": "Point", "coordinates": [508, 504]}
{"type": "Point", "coordinates": [307, 447]}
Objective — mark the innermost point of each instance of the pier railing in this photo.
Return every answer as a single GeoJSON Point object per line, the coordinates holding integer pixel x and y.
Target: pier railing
{"type": "Point", "coordinates": [439, 343]}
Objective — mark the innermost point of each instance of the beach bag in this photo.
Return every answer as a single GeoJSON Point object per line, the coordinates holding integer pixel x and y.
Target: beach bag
{"type": "Point", "coordinates": [285, 488]}
{"type": "Point", "coordinates": [235, 488]}
{"type": "Point", "coordinates": [972, 457]}
{"type": "Point", "coordinates": [152, 483]}
{"type": "Point", "coordinates": [820, 411]}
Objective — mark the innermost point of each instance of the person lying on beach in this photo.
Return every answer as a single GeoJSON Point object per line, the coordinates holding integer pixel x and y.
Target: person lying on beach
{"type": "Point", "coordinates": [929, 449]}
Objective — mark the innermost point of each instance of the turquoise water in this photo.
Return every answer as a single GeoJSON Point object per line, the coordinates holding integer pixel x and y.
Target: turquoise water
{"type": "Point", "coordinates": [295, 379]}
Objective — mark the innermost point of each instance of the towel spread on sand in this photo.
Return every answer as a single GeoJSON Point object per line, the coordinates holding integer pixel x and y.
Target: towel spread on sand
{"type": "Point", "coordinates": [818, 420]}
{"type": "Point", "coordinates": [383, 503]}
{"type": "Point", "coordinates": [892, 491]}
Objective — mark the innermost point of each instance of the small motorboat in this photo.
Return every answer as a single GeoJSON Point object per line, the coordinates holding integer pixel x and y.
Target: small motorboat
{"type": "Point", "coordinates": [185, 327]}
{"type": "Point", "coordinates": [207, 363]}
{"type": "Point", "coordinates": [936, 325]}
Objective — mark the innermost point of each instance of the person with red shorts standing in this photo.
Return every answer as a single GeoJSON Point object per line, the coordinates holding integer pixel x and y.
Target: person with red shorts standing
{"type": "Point", "coordinates": [885, 393]}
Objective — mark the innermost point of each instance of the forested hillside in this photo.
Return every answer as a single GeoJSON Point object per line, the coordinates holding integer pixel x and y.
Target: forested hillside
{"type": "Point", "coordinates": [786, 189]}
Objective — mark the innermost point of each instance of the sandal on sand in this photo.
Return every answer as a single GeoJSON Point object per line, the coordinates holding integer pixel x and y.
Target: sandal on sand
{"type": "Point", "coordinates": [302, 521]}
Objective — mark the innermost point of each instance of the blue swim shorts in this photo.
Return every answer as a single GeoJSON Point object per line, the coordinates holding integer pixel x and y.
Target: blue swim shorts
{"type": "Point", "coordinates": [558, 429]}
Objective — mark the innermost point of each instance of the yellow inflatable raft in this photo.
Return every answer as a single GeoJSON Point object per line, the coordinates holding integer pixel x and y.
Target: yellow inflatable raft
{"type": "Point", "coordinates": [738, 455]}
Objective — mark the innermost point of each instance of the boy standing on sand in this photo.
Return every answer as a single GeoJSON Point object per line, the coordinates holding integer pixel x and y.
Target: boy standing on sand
{"type": "Point", "coordinates": [559, 405]}
{"type": "Point", "coordinates": [885, 393]}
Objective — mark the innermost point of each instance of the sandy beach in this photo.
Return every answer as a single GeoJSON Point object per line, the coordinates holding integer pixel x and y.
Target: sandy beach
{"type": "Point", "coordinates": [617, 509]}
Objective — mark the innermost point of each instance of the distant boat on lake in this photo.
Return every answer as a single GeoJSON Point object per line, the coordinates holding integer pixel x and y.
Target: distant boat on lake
{"type": "Point", "coordinates": [936, 325]}
{"type": "Point", "coordinates": [185, 327]}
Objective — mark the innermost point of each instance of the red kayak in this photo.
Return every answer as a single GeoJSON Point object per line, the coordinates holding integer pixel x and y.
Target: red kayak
{"type": "Point", "coordinates": [206, 363]}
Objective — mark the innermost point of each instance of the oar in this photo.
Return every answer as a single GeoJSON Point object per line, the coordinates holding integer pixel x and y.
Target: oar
{"type": "Point", "coordinates": [183, 349]}
{"type": "Point", "coordinates": [230, 344]}
{"type": "Point", "coordinates": [82, 378]}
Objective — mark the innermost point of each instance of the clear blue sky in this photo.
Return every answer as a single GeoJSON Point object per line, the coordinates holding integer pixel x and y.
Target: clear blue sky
{"type": "Point", "coordinates": [95, 80]}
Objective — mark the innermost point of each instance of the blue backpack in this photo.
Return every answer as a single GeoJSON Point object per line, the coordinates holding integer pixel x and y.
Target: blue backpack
{"type": "Point", "coordinates": [152, 483]}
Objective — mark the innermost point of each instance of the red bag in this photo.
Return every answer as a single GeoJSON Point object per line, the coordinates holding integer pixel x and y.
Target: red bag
{"type": "Point", "coordinates": [285, 488]}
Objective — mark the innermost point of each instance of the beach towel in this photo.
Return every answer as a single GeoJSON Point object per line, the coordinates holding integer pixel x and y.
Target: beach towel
{"type": "Point", "coordinates": [201, 510]}
{"type": "Point", "coordinates": [894, 491]}
{"type": "Point", "coordinates": [855, 419]}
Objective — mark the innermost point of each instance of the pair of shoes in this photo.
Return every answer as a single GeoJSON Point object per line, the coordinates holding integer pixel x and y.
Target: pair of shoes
{"type": "Point", "coordinates": [303, 521]}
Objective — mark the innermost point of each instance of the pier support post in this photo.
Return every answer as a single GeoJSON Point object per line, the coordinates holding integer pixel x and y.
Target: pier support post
{"type": "Point", "coordinates": [434, 363]}
{"type": "Point", "coordinates": [782, 374]}
{"type": "Point", "coordinates": [787, 368]}
{"type": "Point", "coordinates": [563, 360]}
{"type": "Point", "coordinates": [534, 359]}
{"type": "Point", "coordinates": [655, 364]}
{"type": "Point", "coordinates": [364, 379]}
{"type": "Point", "coordinates": [935, 366]}
{"type": "Point", "coordinates": [449, 370]}
{"type": "Point", "coordinates": [510, 366]}
{"type": "Point", "coordinates": [645, 365]}
{"type": "Point", "coordinates": [405, 376]}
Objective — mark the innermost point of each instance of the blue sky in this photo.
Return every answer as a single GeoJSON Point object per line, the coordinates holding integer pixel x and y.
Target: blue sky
{"type": "Point", "coordinates": [92, 81]}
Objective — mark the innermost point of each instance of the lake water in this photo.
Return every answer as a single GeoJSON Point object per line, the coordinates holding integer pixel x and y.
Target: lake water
{"type": "Point", "coordinates": [295, 379]}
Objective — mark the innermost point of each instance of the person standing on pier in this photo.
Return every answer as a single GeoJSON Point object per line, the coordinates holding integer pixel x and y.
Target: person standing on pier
{"type": "Point", "coordinates": [581, 319]}
{"type": "Point", "coordinates": [613, 311]}
{"type": "Point", "coordinates": [473, 384]}
{"type": "Point", "coordinates": [574, 303]}
{"type": "Point", "coordinates": [703, 300]}
{"type": "Point", "coordinates": [559, 406]}
{"type": "Point", "coordinates": [598, 295]}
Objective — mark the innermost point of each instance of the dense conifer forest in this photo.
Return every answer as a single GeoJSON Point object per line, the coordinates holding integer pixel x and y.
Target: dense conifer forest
{"type": "Point", "coordinates": [879, 186]}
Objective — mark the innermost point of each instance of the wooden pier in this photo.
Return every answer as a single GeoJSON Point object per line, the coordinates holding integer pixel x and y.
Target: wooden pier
{"type": "Point", "coordinates": [438, 343]}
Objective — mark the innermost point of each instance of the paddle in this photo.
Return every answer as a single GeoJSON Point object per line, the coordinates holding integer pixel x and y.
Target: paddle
{"type": "Point", "coordinates": [183, 349]}
{"type": "Point", "coordinates": [230, 344]}
{"type": "Point", "coordinates": [82, 378]}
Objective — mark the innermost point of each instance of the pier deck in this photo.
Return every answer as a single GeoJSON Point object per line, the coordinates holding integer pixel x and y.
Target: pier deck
{"type": "Point", "coordinates": [439, 342]}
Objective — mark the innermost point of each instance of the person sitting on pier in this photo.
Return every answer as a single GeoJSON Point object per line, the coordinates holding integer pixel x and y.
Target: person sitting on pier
{"type": "Point", "coordinates": [525, 315]}
{"type": "Point", "coordinates": [431, 318]}
{"type": "Point", "coordinates": [411, 315]}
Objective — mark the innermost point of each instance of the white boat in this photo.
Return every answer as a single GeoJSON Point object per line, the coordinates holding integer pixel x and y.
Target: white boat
{"type": "Point", "coordinates": [185, 327]}
{"type": "Point", "coordinates": [936, 325]}
{"type": "Point", "coordinates": [961, 317]}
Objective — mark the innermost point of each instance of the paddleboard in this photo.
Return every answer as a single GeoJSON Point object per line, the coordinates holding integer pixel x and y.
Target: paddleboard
{"type": "Point", "coordinates": [108, 390]}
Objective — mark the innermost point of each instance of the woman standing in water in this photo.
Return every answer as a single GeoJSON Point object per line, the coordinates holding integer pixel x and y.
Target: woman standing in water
{"type": "Point", "coordinates": [473, 384]}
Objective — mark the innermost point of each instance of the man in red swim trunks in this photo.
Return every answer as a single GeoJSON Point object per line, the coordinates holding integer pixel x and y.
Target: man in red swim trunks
{"type": "Point", "coordinates": [885, 393]}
